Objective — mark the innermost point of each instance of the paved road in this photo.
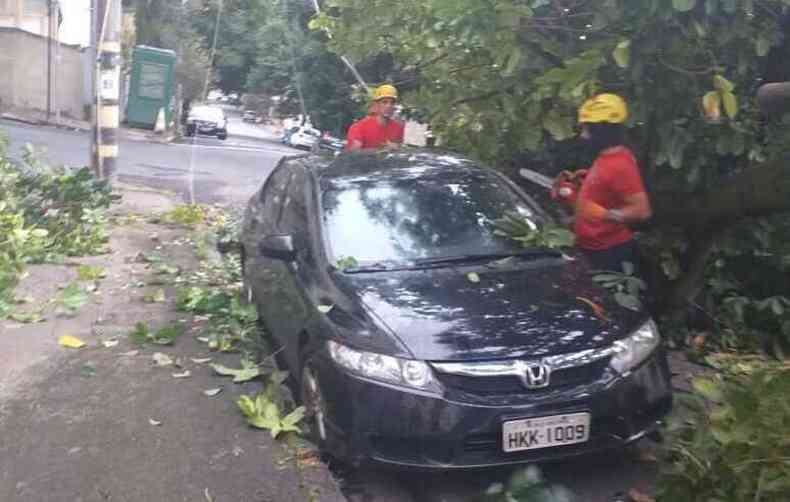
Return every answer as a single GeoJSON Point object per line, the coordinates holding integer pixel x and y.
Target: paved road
{"type": "Point", "coordinates": [224, 171]}
{"type": "Point", "coordinates": [228, 172]}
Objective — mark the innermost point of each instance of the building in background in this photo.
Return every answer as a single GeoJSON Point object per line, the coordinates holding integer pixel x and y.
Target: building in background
{"type": "Point", "coordinates": [40, 75]}
{"type": "Point", "coordinates": [31, 16]}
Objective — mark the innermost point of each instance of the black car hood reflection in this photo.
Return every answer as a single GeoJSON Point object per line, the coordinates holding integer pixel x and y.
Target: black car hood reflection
{"type": "Point", "coordinates": [441, 315]}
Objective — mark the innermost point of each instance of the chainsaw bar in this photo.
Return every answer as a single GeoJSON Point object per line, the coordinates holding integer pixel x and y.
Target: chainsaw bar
{"type": "Point", "coordinates": [536, 177]}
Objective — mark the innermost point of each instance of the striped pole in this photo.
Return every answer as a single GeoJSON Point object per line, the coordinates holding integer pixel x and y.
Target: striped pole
{"type": "Point", "coordinates": [108, 75]}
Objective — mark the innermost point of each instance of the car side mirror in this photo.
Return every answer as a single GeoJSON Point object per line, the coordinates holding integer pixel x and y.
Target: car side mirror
{"type": "Point", "coordinates": [278, 247]}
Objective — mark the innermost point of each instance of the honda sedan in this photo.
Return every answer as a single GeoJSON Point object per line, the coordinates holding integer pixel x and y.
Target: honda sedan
{"type": "Point", "coordinates": [418, 337]}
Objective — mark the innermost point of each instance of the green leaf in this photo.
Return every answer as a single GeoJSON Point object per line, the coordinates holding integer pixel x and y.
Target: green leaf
{"type": "Point", "coordinates": [294, 417]}
{"type": "Point", "coordinates": [708, 388]}
{"type": "Point", "coordinates": [89, 273]}
{"type": "Point", "coordinates": [622, 53]}
{"type": "Point", "coordinates": [721, 84]}
{"type": "Point", "coordinates": [628, 301]}
{"type": "Point", "coordinates": [730, 104]}
{"type": "Point", "coordinates": [346, 262]}
{"type": "Point", "coordinates": [762, 47]}
{"type": "Point", "coordinates": [244, 374]}
{"type": "Point", "coordinates": [73, 298]}
{"type": "Point", "coordinates": [684, 5]}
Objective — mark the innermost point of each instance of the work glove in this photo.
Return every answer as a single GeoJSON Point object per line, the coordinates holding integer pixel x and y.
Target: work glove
{"type": "Point", "coordinates": [590, 210]}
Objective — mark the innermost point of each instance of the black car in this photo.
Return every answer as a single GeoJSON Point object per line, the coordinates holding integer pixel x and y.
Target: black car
{"type": "Point", "coordinates": [207, 120]}
{"type": "Point", "coordinates": [417, 337]}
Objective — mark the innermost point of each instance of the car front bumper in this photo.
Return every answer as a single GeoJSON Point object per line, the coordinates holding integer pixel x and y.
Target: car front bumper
{"type": "Point", "coordinates": [369, 421]}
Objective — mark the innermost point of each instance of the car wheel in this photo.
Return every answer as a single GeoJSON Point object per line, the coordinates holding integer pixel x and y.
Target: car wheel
{"type": "Point", "coordinates": [312, 399]}
{"type": "Point", "coordinates": [222, 137]}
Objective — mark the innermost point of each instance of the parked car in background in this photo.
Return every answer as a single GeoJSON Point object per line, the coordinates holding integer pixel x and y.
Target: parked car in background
{"type": "Point", "coordinates": [304, 137]}
{"type": "Point", "coordinates": [331, 143]}
{"type": "Point", "coordinates": [207, 120]}
{"type": "Point", "coordinates": [249, 116]}
{"type": "Point", "coordinates": [287, 132]}
{"type": "Point", "coordinates": [417, 336]}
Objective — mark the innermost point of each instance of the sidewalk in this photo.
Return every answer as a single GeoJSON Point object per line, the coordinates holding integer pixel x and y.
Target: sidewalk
{"type": "Point", "coordinates": [104, 422]}
{"type": "Point", "coordinates": [38, 118]}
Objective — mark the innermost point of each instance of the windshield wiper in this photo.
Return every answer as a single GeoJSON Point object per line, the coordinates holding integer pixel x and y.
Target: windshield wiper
{"type": "Point", "coordinates": [471, 258]}
{"type": "Point", "coordinates": [373, 267]}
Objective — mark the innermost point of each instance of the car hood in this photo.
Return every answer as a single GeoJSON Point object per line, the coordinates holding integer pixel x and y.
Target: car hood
{"type": "Point", "coordinates": [538, 309]}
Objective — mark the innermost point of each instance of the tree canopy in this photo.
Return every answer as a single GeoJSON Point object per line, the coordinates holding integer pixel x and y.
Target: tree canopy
{"type": "Point", "coordinates": [502, 80]}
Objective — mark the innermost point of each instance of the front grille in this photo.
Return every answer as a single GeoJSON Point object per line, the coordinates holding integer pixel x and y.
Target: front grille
{"type": "Point", "coordinates": [508, 384]}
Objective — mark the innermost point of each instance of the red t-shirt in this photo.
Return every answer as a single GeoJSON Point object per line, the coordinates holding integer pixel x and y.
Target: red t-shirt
{"type": "Point", "coordinates": [613, 176]}
{"type": "Point", "coordinates": [373, 134]}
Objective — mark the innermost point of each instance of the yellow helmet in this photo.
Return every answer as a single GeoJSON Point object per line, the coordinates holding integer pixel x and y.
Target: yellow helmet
{"type": "Point", "coordinates": [385, 91]}
{"type": "Point", "coordinates": [609, 108]}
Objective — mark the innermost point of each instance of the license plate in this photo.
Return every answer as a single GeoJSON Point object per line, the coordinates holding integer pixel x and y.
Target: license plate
{"type": "Point", "coordinates": [545, 432]}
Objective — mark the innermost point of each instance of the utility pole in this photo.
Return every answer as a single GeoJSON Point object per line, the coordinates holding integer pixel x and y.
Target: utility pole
{"type": "Point", "coordinates": [49, 59]}
{"type": "Point", "coordinates": [213, 50]}
{"type": "Point", "coordinates": [56, 103]}
{"type": "Point", "coordinates": [107, 88]}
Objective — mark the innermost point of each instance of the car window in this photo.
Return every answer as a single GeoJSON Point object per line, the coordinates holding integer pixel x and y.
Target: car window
{"type": "Point", "coordinates": [293, 218]}
{"type": "Point", "coordinates": [274, 193]}
{"type": "Point", "coordinates": [401, 219]}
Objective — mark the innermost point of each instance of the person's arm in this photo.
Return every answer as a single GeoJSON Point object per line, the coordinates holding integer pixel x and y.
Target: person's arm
{"type": "Point", "coordinates": [636, 209]}
{"type": "Point", "coordinates": [625, 180]}
{"type": "Point", "coordinates": [354, 138]}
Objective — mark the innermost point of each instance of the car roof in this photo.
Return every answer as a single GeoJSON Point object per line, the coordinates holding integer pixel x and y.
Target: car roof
{"type": "Point", "coordinates": [402, 164]}
{"type": "Point", "coordinates": [206, 111]}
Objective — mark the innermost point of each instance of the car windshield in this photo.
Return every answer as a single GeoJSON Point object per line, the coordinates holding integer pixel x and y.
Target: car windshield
{"type": "Point", "coordinates": [400, 219]}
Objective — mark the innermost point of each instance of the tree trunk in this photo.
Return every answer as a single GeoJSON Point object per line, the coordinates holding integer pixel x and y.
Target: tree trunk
{"type": "Point", "coordinates": [755, 192]}
{"type": "Point", "coordinates": [704, 217]}
{"type": "Point", "coordinates": [774, 99]}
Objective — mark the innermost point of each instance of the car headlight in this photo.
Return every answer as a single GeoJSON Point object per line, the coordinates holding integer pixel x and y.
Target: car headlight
{"type": "Point", "coordinates": [388, 369]}
{"type": "Point", "coordinates": [630, 352]}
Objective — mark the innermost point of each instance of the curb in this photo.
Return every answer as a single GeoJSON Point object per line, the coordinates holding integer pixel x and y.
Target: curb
{"type": "Point", "coordinates": [42, 123]}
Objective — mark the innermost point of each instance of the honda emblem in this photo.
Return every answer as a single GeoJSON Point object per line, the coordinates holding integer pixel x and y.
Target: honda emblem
{"type": "Point", "coordinates": [536, 375]}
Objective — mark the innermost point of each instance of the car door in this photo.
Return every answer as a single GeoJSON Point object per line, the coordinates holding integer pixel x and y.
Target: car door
{"type": "Point", "coordinates": [295, 278]}
{"type": "Point", "coordinates": [262, 274]}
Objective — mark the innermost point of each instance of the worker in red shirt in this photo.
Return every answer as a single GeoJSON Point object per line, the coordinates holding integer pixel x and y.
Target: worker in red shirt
{"type": "Point", "coordinates": [378, 129]}
{"type": "Point", "coordinates": [612, 196]}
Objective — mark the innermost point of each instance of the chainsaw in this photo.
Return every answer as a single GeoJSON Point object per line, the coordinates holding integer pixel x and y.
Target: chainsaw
{"type": "Point", "coordinates": [565, 188]}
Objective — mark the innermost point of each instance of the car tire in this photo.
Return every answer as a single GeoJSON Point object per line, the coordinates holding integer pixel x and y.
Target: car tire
{"type": "Point", "coordinates": [222, 137]}
{"type": "Point", "coordinates": [311, 397]}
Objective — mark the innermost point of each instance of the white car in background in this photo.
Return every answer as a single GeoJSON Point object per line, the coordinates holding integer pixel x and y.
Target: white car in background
{"type": "Point", "coordinates": [304, 137]}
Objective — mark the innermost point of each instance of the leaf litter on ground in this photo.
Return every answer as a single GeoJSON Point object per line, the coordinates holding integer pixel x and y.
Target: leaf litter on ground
{"type": "Point", "coordinates": [163, 336]}
{"type": "Point", "coordinates": [161, 359]}
{"type": "Point", "coordinates": [91, 273]}
{"type": "Point", "coordinates": [247, 372]}
{"type": "Point", "coordinates": [72, 298]}
{"type": "Point", "coordinates": [71, 342]}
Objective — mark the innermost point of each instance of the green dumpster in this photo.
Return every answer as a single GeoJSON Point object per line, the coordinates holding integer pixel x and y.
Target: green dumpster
{"type": "Point", "coordinates": [150, 86]}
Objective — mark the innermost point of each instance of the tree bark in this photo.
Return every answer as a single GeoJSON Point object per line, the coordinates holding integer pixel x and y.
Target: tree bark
{"type": "Point", "coordinates": [774, 99]}
{"type": "Point", "coordinates": [755, 192]}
